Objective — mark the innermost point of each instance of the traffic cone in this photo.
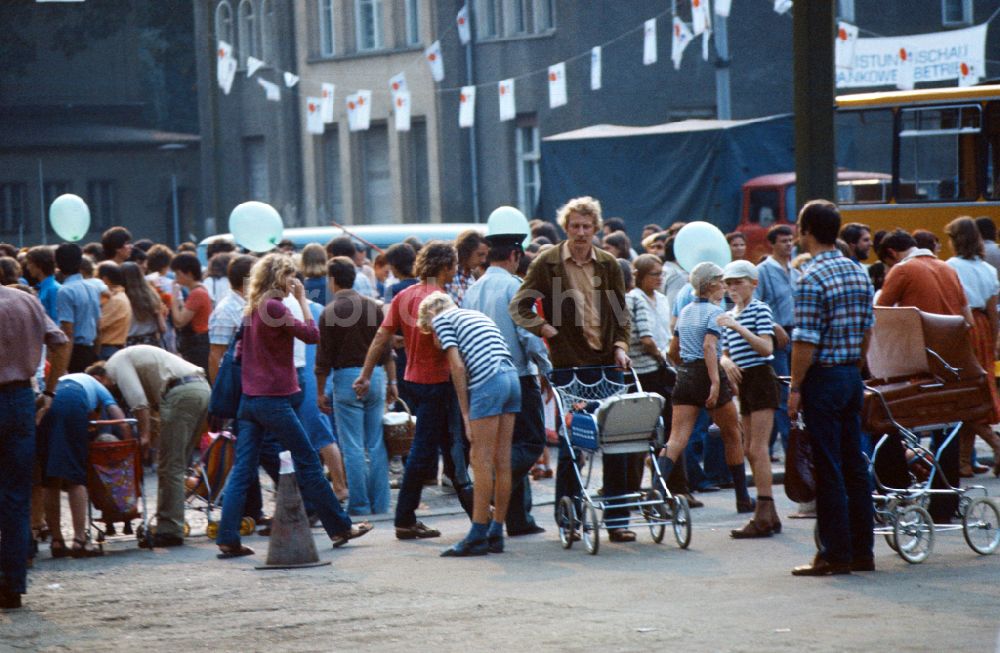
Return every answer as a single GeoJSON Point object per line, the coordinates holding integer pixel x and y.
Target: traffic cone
{"type": "Point", "coordinates": [291, 544]}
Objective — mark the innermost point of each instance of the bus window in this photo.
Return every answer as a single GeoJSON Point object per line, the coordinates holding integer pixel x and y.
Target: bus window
{"type": "Point", "coordinates": [764, 209]}
{"type": "Point", "coordinates": [993, 150]}
{"type": "Point", "coordinates": [864, 142]}
{"type": "Point", "coordinates": [937, 153]}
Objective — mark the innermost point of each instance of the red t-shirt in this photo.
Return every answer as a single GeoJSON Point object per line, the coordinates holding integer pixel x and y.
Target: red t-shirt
{"type": "Point", "coordinates": [199, 301]}
{"type": "Point", "coordinates": [425, 363]}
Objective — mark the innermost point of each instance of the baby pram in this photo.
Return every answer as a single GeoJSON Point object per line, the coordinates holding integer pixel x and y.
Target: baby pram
{"type": "Point", "coordinates": [925, 378]}
{"type": "Point", "coordinates": [601, 416]}
{"type": "Point", "coordinates": [115, 482]}
{"type": "Point", "coordinates": [206, 482]}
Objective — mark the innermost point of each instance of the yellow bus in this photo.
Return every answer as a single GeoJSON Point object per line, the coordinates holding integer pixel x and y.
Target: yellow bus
{"type": "Point", "coordinates": [938, 152]}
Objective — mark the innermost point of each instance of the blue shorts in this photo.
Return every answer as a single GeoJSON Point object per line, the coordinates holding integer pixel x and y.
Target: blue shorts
{"type": "Point", "coordinates": [499, 395]}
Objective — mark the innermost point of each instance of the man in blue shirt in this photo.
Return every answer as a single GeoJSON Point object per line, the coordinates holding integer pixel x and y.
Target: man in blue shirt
{"type": "Point", "coordinates": [41, 264]}
{"type": "Point", "coordinates": [78, 306]}
{"type": "Point", "coordinates": [492, 295]}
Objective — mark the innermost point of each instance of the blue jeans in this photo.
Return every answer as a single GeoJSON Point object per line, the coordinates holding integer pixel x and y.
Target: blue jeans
{"type": "Point", "coordinates": [527, 445]}
{"type": "Point", "coordinates": [17, 451]}
{"type": "Point", "coordinates": [275, 416]}
{"type": "Point", "coordinates": [359, 424]}
{"type": "Point", "coordinates": [695, 452]}
{"type": "Point", "coordinates": [781, 364]}
{"type": "Point", "coordinates": [831, 399]}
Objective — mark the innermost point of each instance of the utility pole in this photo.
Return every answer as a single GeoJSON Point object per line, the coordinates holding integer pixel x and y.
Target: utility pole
{"type": "Point", "coordinates": [723, 100]}
{"type": "Point", "coordinates": [813, 68]}
{"type": "Point", "coordinates": [470, 78]}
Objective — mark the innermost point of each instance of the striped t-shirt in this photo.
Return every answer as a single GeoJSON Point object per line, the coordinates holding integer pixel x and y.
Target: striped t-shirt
{"type": "Point", "coordinates": [757, 319]}
{"type": "Point", "coordinates": [478, 339]}
{"type": "Point", "coordinates": [695, 320]}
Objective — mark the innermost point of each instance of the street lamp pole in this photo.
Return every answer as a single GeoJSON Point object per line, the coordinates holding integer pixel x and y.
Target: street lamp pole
{"type": "Point", "coordinates": [173, 148]}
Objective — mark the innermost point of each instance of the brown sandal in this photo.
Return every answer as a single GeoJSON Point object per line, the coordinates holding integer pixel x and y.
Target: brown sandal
{"type": "Point", "coordinates": [752, 529]}
{"type": "Point", "coordinates": [58, 548]}
{"type": "Point", "coordinates": [361, 529]}
{"type": "Point", "coordinates": [621, 535]}
{"type": "Point", "coordinates": [85, 549]}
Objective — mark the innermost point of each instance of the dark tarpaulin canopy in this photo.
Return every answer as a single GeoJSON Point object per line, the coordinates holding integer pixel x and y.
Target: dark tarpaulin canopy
{"type": "Point", "coordinates": [689, 170]}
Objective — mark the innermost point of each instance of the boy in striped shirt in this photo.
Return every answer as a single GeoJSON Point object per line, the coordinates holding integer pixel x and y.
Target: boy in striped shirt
{"type": "Point", "coordinates": [748, 346]}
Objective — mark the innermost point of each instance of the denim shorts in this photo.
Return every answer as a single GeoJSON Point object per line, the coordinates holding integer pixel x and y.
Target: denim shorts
{"type": "Point", "coordinates": [498, 395]}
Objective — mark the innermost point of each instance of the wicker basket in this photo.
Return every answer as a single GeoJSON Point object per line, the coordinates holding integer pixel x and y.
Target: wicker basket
{"type": "Point", "coordinates": [397, 430]}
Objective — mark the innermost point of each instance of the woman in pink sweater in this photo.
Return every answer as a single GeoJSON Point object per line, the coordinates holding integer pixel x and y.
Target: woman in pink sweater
{"type": "Point", "coordinates": [269, 381]}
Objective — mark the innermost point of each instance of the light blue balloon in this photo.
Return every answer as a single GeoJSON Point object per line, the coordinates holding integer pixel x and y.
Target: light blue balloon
{"type": "Point", "coordinates": [256, 226]}
{"type": "Point", "coordinates": [69, 217]}
{"type": "Point", "coordinates": [698, 242]}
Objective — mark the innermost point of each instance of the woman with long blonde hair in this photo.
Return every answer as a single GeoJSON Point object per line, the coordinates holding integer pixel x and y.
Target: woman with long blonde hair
{"type": "Point", "coordinates": [269, 382]}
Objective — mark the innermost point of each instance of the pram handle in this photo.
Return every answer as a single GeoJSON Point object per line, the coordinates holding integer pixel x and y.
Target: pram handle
{"type": "Point", "coordinates": [131, 421]}
{"type": "Point", "coordinates": [603, 368]}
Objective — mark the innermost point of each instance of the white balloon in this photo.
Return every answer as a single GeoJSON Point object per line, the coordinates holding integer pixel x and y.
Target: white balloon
{"type": "Point", "coordinates": [698, 242]}
{"type": "Point", "coordinates": [69, 217]}
{"type": "Point", "coordinates": [256, 226]}
{"type": "Point", "coordinates": [508, 220]}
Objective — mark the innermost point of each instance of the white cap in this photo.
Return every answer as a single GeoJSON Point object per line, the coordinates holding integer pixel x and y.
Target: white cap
{"type": "Point", "coordinates": [740, 270]}
{"type": "Point", "coordinates": [702, 274]}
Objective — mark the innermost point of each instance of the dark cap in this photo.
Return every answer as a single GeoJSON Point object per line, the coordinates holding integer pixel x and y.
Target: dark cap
{"type": "Point", "coordinates": [505, 239]}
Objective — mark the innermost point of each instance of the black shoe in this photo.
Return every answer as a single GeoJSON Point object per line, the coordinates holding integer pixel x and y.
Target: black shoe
{"type": "Point", "coordinates": [418, 531]}
{"type": "Point", "coordinates": [465, 549]}
{"type": "Point", "coordinates": [747, 505]}
{"type": "Point", "coordinates": [692, 502]}
{"type": "Point", "coordinates": [534, 529]}
{"type": "Point", "coordinates": [495, 543]}
{"type": "Point", "coordinates": [863, 564]}
{"type": "Point", "coordinates": [161, 541]}
{"type": "Point", "coordinates": [9, 599]}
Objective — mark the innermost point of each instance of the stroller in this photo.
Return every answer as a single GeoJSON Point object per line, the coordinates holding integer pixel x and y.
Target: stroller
{"type": "Point", "coordinates": [926, 378]}
{"type": "Point", "coordinates": [601, 416]}
{"type": "Point", "coordinates": [115, 483]}
{"type": "Point", "coordinates": [206, 481]}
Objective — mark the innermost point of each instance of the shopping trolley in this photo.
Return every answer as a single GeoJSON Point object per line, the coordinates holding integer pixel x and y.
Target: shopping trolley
{"type": "Point", "coordinates": [115, 482]}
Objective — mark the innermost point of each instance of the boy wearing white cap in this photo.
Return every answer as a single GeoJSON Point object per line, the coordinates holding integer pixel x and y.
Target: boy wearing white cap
{"type": "Point", "coordinates": [748, 345]}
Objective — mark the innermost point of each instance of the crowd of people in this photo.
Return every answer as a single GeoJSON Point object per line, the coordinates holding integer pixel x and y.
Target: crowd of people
{"type": "Point", "coordinates": [471, 336]}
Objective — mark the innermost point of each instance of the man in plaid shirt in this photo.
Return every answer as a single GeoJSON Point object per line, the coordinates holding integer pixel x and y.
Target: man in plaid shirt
{"type": "Point", "coordinates": [833, 318]}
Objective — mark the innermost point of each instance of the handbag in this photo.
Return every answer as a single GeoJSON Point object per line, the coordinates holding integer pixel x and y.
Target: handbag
{"type": "Point", "coordinates": [800, 480]}
{"type": "Point", "coordinates": [227, 390]}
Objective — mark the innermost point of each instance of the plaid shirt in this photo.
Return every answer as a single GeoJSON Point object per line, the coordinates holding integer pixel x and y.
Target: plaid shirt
{"type": "Point", "coordinates": [833, 308]}
{"type": "Point", "coordinates": [459, 285]}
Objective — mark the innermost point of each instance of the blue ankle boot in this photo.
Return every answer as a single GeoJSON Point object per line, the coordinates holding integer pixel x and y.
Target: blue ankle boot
{"type": "Point", "coordinates": [494, 537]}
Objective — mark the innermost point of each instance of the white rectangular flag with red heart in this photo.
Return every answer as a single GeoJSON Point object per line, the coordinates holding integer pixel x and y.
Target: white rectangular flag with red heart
{"type": "Point", "coordinates": [326, 100]}
{"type": "Point", "coordinates": [681, 38]}
{"type": "Point", "coordinates": [904, 79]}
{"type": "Point", "coordinates": [595, 68]}
{"type": "Point", "coordinates": [508, 107]}
{"type": "Point", "coordinates": [314, 115]}
{"type": "Point", "coordinates": [557, 85]}
{"type": "Point", "coordinates": [969, 73]}
{"type": "Point", "coordinates": [467, 106]}
{"type": "Point", "coordinates": [225, 66]}
{"type": "Point", "coordinates": [847, 39]}
{"type": "Point", "coordinates": [649, 42]}
{"type": "Point", "coordinates": [401, 110]}
{"type": "Point", "coordinates": [462, 20]}
{"type": "Point", "coordinates": [434, 60]}
{"type": "Point", "coordinates": [723, 7]}
{"type": "Point", "coordinates": [359, 110]}
{"type": "Point", "coordinates": [701, 16]}
{"type": "Point", "coordinates": [397, 84]}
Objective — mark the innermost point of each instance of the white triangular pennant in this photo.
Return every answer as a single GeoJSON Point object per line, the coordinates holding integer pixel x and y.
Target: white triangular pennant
{"type": "Point", "coordinates": [326, 98]}
{"type": "Point", "coordinates": [649, 42]}
{"type": "Point", "coordinates": [359, 110]}
{"type": "Point", "coordinates": [397, 84]}
{"type": "Point", "coordinates": [434, 60]}
{"type": "Point", "coordinates": [847, 38]}
{"type": "Point", "coordinates": [681, 38]}
{"type": "Point", "coordinates": [723, 8]}
{"type": "Point", "coordinates": [314, 115]}
{"type": "Point", "coordinates": [462, 20]}
{"type": "Point", "coordinates": [225, 67]}
{"type": "Point", "coordinates": [782, 6]}
{"type": "Point", "coordinates": [271, 91]}
{"type": "Point", "coordinates": [467, 106]}
{"type": "Point", "coordinates": [401, 110]}
{"type": "Point", "coordinates": [291, 80]}
{"type": "Point", "coordinates": [253, 65]}
{"type": "Point", "coordinates": [700, 16]}
{"type": "Point", "coordinates": [557, 85]}
{"type": "Point", "coordinates": [595, 68]}
{"type": "Point", "coordinates": [508, 106]}
{"type": "Point", "coordinates": [904, 73]}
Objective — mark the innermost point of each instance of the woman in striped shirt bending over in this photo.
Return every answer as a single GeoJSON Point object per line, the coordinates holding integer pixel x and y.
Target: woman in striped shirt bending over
{"type": "Point", "coordinates": [489, 393]}
{"type": "Point", "coordinates": [748, 343]}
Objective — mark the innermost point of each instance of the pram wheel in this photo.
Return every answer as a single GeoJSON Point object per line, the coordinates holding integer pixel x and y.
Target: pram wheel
{"type": "Point", "coordinates": [567, 522]}
{"type": "Point", "coordinates": [247, 525]}
{"type": "Point", "coordinates": [682, 522]}
{"type": "Point", "coordinates": [981, 525]}
{"type": "Point", "coordinates": [590, 530]}
{"type": "Point", "coordinates": [127, 527]}
{"type": "Point", "coordinates": [187, 529]}
{"type": "Point", "coordinates": [890, 539]}
{"type": "Point", "coordinates": [656, 515]}
{"type": "Point", "coordinates": [100, 537]}
{"type": "Point", "coordinates": [212, 530]}
{"type": "Point", "coordinates": [914, 534]}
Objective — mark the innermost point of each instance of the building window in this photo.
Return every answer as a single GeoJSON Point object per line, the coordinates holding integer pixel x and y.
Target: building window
{"type": "Point", "coordinates": [267, 40]}
{"type": "Point", "coordinates": [255, 167]}
{"type": "Point", "coordinates": [14, 209]}
{"type": "Point", "coordinates": [102, 200]}
{"type": "Point", "coordinates": [327, 29]}
{"type": "Point", "coordinates": [529, 157]}
{"type": "Point", "coordinates": [248, 32]}
{"type": "Point", "coordinates": [331, 174]}
{"type": "Point", "coordinates": [956, 12]}
{"type": "Point", "coordinates": [415, 174]}
{"type": "Point", "coordinates": [487, 20]}
{"type": "Point", "coordinates": [412, 22]}
{"type": "Point", "coordinates": [514, 17]}
{"type": "Point", "coordinates": [376, 182]}
{"type": "Point", "coordinates": [224, 22]}
{"type": "Point", "coordinates": [368, 23]}
{"type": "Point", "coordinates": [845, 10]}
{"type": "Point", "coordinates": [545, 15]}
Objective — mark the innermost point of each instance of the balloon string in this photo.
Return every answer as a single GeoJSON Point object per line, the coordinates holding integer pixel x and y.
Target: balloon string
{"type": "Point", "coordinates": [357, 237]}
